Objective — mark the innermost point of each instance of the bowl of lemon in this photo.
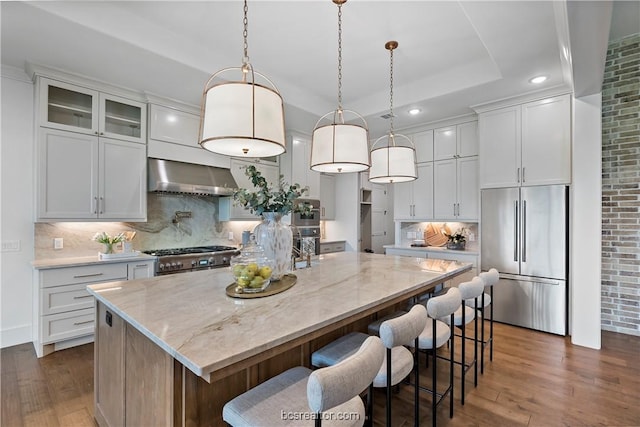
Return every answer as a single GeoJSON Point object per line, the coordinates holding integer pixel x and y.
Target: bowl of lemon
{"type": "Point", "coordinates": [251, 269]}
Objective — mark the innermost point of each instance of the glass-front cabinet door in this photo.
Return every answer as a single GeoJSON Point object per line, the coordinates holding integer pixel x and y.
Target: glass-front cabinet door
{"type": "Point", "coordinates": [77, 109]}
{"type": "Point", "coordinates": [68, 107]}
{"type": "Point", "coordinates": [123, 118]}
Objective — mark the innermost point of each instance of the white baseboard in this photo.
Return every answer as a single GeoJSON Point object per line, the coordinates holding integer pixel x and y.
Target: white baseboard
{"type": "Point", "coordinates": [15, 336]}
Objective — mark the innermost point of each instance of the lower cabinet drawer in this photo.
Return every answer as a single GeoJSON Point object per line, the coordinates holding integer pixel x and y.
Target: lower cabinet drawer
{"type": "Point", "coordinates": [326, 248]}
{"type": "Point", "coordinates": [61, 299]}
{"type": "Point", "coordinates": [62, 326]}
{"type": "Point", "coordinates": [83, 274]}
{"type": "Point", "coordinates": [406, 252]}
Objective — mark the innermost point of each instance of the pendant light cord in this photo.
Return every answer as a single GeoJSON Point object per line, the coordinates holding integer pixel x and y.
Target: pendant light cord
{"type": "Point", "coordinates": [339, 57]}
{"type": "Point", "coordinates": [245, 34]}
{"type": "Point", "coordinates": [391, 92]}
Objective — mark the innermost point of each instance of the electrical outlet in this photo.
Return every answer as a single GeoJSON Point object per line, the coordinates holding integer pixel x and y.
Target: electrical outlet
{"type": "Point", "coordinates": [58, 243]}
{"type": "Point", "coordinates": [230, 237]}
{"type": "Point", "coordinates": [11, 246]}
{"type": "Point", "coordinates": [472, 237]}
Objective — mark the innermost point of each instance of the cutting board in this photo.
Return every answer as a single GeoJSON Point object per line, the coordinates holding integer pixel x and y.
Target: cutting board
{"type": "Point", "coordinates": [434, 237]}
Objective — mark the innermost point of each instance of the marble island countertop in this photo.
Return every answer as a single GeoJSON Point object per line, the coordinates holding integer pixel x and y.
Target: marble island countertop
{"type": "Point", "coordinates": [191, 318]}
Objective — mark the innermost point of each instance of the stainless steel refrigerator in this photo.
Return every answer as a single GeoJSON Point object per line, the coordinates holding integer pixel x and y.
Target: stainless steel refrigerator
{"type": "Point", "coordinates": [524, 234]}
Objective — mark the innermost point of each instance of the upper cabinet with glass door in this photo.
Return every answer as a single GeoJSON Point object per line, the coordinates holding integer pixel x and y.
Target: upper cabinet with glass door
{"type": "Point", "coordinates": [77, 109]}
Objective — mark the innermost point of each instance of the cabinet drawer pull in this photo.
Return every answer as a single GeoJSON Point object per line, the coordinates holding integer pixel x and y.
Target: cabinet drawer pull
{"type": "Point", "coordinates": [141, 265]}
{"type": "Point", "coordinates": [83, 296]}
{"type": "Point", "coordinates": [79, 276]}
{"type": "Point", "coordinates": [82, 323]}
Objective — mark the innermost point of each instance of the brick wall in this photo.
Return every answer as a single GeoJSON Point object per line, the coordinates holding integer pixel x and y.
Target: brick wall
{"type": "Point", "coordinates": [620, 187]}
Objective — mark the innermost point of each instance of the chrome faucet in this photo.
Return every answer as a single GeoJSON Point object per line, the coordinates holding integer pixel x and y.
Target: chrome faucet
{"type": "Point", "coordinates": [296, 253]}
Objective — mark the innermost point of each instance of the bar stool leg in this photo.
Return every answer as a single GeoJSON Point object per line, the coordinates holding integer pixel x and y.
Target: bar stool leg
{"type": "Point", "coordinates": [463, 360]}
{"type": "Point", "coordinates": [475, 345]}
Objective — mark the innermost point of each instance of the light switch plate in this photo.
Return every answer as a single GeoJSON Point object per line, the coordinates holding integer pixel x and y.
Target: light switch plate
{"type": "Point", "coordinates": [11, 246]}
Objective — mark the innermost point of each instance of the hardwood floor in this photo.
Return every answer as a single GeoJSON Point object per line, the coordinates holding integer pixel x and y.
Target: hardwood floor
{"type": "Point", "coordinates": [535, 379]}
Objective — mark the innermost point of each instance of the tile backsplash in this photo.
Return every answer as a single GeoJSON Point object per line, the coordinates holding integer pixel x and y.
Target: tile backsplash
{"type": "Point", "coordinates": [173, 221]}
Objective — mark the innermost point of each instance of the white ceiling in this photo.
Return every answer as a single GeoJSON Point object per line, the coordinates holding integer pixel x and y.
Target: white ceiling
{"type": "Point", "coordinates": [451, 54]}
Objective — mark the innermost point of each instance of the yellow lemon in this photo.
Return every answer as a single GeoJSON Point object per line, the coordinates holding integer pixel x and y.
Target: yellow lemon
{"type": "Point", "coordinates": [253, 267]}
{"type": "Point", "coordinates": [265, 272]}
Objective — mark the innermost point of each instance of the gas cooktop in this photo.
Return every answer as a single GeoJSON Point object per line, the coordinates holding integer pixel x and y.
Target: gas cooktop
{"type": "Point", "coordinates": [185, 251]}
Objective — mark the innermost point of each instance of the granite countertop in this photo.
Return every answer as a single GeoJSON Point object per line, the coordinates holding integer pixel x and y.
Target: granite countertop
{"type": "Point", "coordinates": [433, 249]}
{"type": "Point", "coordinates": [191, 318]}
{"type": "Point", "coordinates": [42, 264]}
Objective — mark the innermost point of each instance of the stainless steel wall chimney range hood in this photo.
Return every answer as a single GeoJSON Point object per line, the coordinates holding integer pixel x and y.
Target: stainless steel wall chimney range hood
{"type": "Point", "coordinates": [178, 177]}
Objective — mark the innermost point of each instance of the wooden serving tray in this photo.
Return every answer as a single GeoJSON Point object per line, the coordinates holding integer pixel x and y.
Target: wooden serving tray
{"type": "Point", "coordinates": [287, 281]}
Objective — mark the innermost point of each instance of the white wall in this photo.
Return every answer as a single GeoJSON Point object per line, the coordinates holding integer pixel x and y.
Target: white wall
{"type": "Point", "coordinates": [16, 206]}
{"type": "Point", "coordinates": [586, 222]}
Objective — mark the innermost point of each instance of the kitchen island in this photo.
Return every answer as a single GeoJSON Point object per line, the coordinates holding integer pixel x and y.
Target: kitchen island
{"type": "Point", "coordinates": [171, 350]}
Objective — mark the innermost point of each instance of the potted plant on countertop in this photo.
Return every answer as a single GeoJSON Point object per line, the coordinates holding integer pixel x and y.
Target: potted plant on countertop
{"type": "Point", "coordinates": [457, 240]}
{"type": "Point", "coordinates": [272, 204]}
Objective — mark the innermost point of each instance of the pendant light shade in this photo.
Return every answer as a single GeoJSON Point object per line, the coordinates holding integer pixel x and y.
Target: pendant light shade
{"type": "Point", "coordinates": [340, 143]}
{"type": "Point", "coordinates": [393, 159]}
{"type": "Point", "coordinates": [242, 117]}
{"type": "Point", "coordinates": [393, 156]}
{"type": "Point", "coordinates": [340, 147]}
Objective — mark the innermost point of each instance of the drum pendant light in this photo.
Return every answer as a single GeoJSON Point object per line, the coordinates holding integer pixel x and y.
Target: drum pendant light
{"type": "Point", "coordinates": [393, 156]}
{"type": "Point", "coordinates": [340, 143]}
{"type": "Point", "coordinates": [242, 118]}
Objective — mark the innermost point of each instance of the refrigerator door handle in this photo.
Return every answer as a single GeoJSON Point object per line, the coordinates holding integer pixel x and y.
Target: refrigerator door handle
{"type": "Point", "coordinates": [524, 231]}
{"type": "Point", "coordinates": [515, 230]}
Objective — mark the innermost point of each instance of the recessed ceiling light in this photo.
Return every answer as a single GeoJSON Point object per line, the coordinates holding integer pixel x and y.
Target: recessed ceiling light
{"type": "Point", "coordinates": [415, 111]}
{"type": "Point", "coordinates": [538, 79]}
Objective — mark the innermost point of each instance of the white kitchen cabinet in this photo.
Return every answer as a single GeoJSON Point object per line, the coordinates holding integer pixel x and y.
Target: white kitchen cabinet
{"type": "Point", "coordinates": [414, 200]}
{"type": "Point", "coordinates": [173, 135]}
{"type": "Point", "coordinates": [455, 141]}
{"type": "Point", "coordinates": [85, 177]}
{"type": "Point", "coordinates": [230, 212]}
{"type": "Point", "coordinates": [546, 141]}
{"type": "Point", "coordinates": [528, 144]}
{"type": "Point", "coordinates": [327, 197]}
{"type": "Point", "coordinates": [63, 309]}
{"type": "Point", "coordinates": [455, 194]}
{"type": "Point", "coordinates": [331, 247]}
{"type": "Point", "coordinates": [423, 142]}
{"type": "Point", "coordinates": [140, 269]}
{"type": "Point", "coordinates": [301, 172]}
{"type": "Point", "coordinates": [294, 164]}
{"type": "Point", "coordinates": [174, 126]}
{"type": "Point", "coordinates": [78, 109]}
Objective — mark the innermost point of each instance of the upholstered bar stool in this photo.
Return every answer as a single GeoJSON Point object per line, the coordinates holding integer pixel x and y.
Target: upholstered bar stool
{"type": "Point", "coordinates": [395, 333]}
{"type": "Point", "coordinates": [300, 396]}
{"type": "Point", "coordinates": [490, 278]}
{"type": "Point", "coordinates": [435, 335]}
{"type": "Point", "coordinates": [469, 291]}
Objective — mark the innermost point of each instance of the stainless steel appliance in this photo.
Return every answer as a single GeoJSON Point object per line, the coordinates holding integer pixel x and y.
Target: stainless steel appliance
{"type": "Point", "coordinates": [311, 219]}
{"type": "Point", "coordinates": [299, 235]}
{"type": "Point", "coordinates": [181, 260]}
{"type": "Point", "coordinates": [179, 177]}
{"type": "Point", "coordinates": [524, 235]}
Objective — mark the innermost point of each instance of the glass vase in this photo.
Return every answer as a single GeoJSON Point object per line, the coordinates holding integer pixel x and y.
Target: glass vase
{"type": "Point", "coordinates": [276, 239]}
{"type": "Point", "coordinates": [108, 248]}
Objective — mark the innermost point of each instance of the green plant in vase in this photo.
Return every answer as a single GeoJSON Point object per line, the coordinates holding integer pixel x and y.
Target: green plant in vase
{"type": "Point", "coordinates": [272, 203]}
{"type": "Point", "coordinates": [108, 241]}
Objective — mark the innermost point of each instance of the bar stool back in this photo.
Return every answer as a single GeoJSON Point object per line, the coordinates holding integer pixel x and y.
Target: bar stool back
{"type": "Point", "coordinates": [436, 334]}
{"type": "Point", "coordinates": [490, 278]}
{"type": "Point", "coordinates": [298, 390]}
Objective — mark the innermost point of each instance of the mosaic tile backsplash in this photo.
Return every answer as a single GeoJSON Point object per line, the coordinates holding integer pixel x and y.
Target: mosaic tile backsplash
{"type": "Point", "coordinates": [163, 229]}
